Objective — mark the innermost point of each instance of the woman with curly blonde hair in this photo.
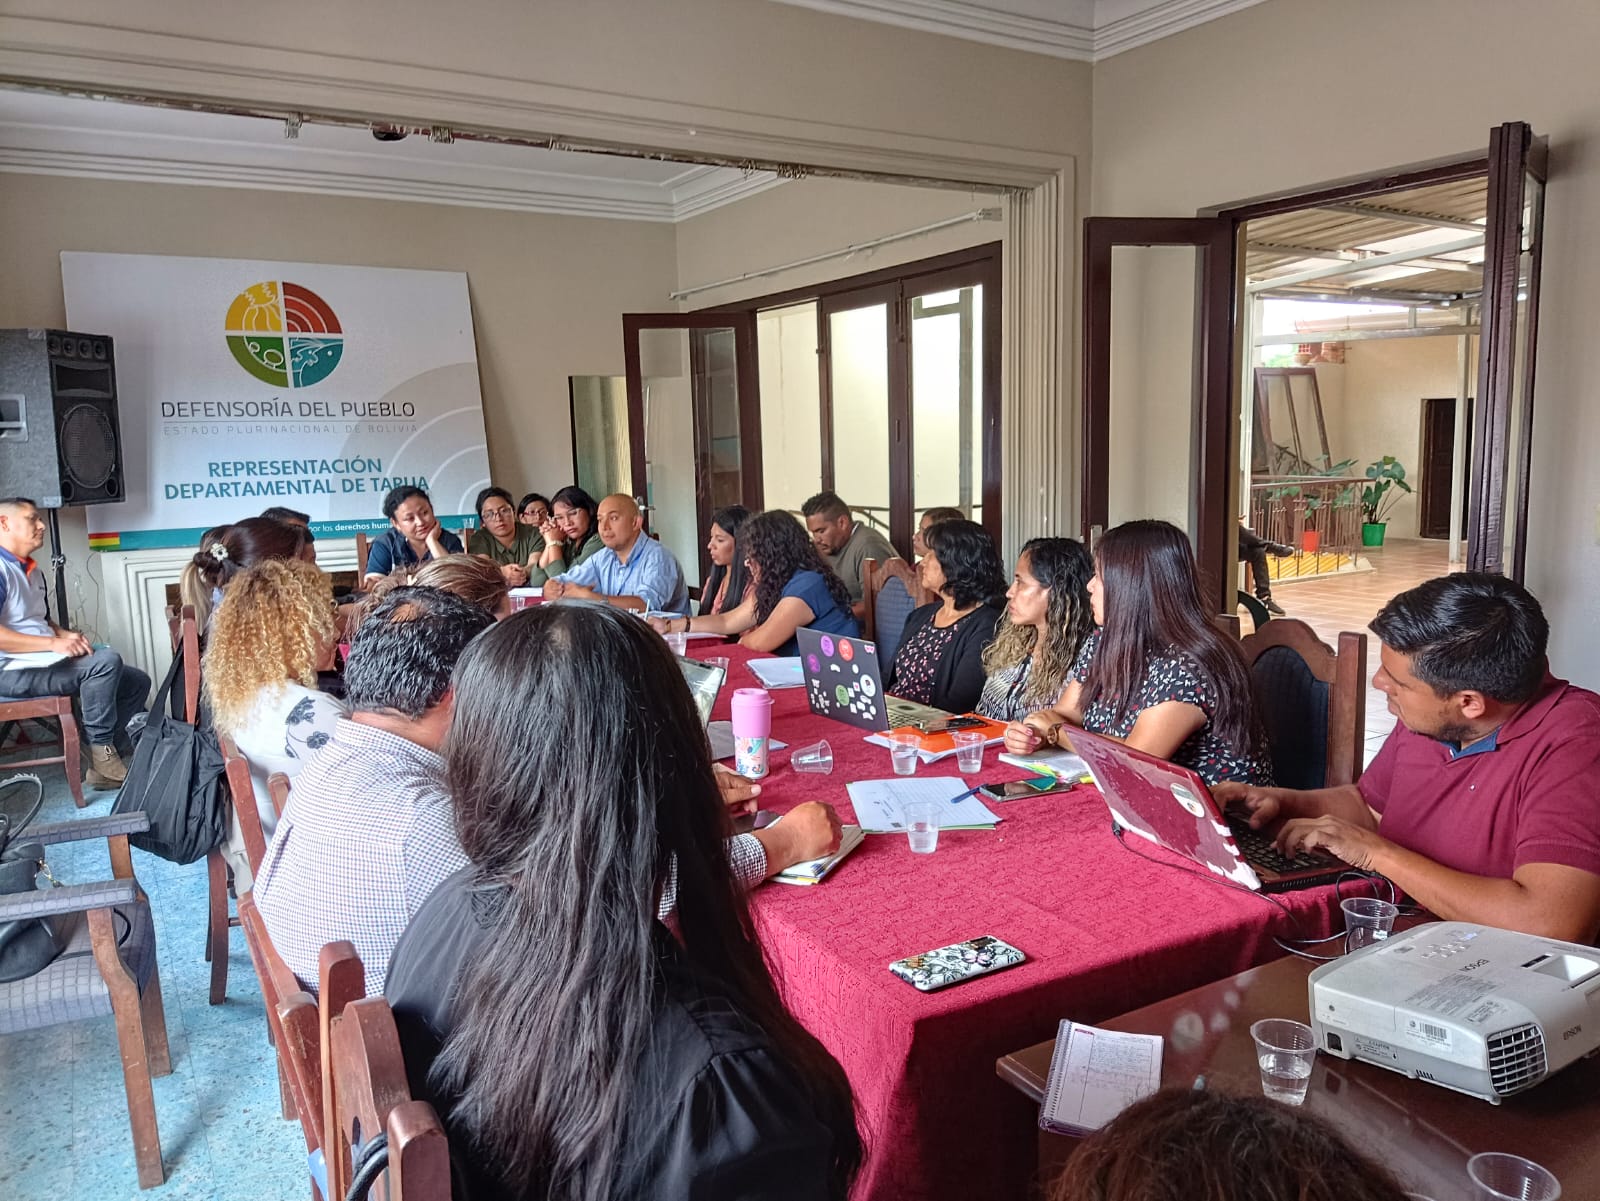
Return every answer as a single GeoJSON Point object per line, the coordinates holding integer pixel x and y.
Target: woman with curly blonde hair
{"type": "Point", "coordinates": [274, 628]}
{"type": "Point", "coordinates": [1046, 620]}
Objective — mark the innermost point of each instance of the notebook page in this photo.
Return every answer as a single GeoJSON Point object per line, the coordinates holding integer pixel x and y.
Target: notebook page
{"type": "Point", "coordinates": [1096, 1074]}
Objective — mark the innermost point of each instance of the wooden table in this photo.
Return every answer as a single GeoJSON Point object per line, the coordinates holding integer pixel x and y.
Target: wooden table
{"type": "Point", "coordinates": [1425, 1133]}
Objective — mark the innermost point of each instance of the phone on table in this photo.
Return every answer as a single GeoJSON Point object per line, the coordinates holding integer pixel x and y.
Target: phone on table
{"type": "Point", "coordinates": [950, 725]}
{"type": "Point", "coordinates": [1011, 790]}
{"type": "Point", "coordinates": [954, 964]}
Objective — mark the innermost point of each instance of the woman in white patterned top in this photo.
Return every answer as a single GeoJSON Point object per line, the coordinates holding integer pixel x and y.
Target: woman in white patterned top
{"type": "Point", "coordinates": [1047, 618]}
{"type": "Point", "coordinates": [273, 630]}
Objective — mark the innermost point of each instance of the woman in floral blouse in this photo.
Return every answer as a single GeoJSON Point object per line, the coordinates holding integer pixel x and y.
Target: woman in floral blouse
{"type": "Point", "coordinates": [1157, 674]}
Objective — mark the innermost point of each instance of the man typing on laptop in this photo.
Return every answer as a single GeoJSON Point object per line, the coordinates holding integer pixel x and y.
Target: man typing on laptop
{"type": "Point", "coordinates": [1482, 803]}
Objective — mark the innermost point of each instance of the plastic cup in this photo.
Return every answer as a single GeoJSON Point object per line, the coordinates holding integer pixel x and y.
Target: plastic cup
{"type": "Point", "coordinates": [969, 751]}
{"type": "Point", "coordinates": [1498, 1176]}
{"type": "Point", "coordinates": [903, 750]}
{"type": "Point", "coordinates": [677, 642]}
{"type": "Point", "coordinates": [1285, 1051]}
{"type": "Point", "coordinates": [922, 826]}
{"type": "Point", "coordinates": [718, 661]}
{"type": "Point", "coordinates": [1366, 920]}
{"type": "Point", "coordinates": [818, 758]}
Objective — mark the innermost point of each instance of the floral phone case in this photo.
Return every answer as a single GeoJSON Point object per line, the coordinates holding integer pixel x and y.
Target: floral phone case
{"type": "Point", "coordinates": [955, 963]}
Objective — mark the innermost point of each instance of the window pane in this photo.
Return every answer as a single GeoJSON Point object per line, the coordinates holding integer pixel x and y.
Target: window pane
{"type": "Point", "coordinates": [717, 417]}
{"type": "Point", "coordinates": [601, 454]}
{"type": "Point", "coordinates": [859, 365]}
{"type": "Point", "coordinates": [947, 402]}
{"type": "Point", "coordinates": [669, 448]}
{"type": "Point", "coordinates": [791, 419]}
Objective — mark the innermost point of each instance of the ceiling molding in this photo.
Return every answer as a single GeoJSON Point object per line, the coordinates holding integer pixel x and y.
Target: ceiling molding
{"type": "Point", "coordinates": [89, 140]}
{"type": "Point", "coordinates": [1081, 30]}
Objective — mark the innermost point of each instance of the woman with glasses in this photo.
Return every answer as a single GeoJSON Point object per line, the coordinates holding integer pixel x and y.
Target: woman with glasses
{"type": "Point", "coordinates": [571, 535]}
{"type": "Point", "coordinates": [534, 510]}
{"type": "Point", "coordinates": [514, 547]}
{"type": "Point", "coordinates": [575, 1045]}
{"type": "Point", "coordinates": [791, 586]}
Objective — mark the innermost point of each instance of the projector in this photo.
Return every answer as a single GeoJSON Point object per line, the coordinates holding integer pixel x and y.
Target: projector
{"type": "Point", "coordinates": [1483, 1011]}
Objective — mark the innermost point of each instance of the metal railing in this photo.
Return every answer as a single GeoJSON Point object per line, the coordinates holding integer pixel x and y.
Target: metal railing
{"type": "Point", "coordinates": [1285, 508]}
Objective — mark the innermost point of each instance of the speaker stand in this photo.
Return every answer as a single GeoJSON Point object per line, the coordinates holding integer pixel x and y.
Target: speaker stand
{"type": "Point", "coordinates": [58, 561]}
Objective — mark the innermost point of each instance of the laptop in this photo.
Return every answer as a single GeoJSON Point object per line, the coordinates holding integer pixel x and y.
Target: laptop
{"type": "Point", "coordinates": [705, 682]}
{"type": "Point", "coordinates": [1172, 806]}
{"type": "Point", "coordinates": [844, 682]}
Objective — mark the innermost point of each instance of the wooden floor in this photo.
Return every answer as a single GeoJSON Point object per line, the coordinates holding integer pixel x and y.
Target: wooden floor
{"type": "Point", "coordinates": [1333, 604]}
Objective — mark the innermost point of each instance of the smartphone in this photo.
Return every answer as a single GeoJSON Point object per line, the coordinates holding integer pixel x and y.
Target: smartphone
{"type": "Point", "coordinates": [950, 725]}
{"type": "Point", "coordinates": [953, 964]}
{"type": "Point", "coordinates": [1010, 790]}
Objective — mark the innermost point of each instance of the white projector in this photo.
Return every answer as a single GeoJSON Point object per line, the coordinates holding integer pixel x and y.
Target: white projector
{"type": "Point", "coordinates": [1486, 1012]}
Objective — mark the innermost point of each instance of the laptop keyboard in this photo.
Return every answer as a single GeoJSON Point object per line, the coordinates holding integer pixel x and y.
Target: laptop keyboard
{"type": "Point", "coordinates": [1261, 850]}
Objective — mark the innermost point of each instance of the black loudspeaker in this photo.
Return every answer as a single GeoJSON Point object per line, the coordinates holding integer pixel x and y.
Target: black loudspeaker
{"type": "Point", "coordinates": [60, 442]}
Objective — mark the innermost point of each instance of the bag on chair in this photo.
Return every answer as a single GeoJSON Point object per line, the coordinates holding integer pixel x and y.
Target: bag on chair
{"type": "Point", "coordinates": [27, 945]}
{"type": "Point", "coordinates": [176, 779]}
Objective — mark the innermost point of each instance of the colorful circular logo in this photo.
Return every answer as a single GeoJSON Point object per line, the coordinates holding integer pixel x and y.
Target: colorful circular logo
{"type": "Point", "coordinates": [284, 334]}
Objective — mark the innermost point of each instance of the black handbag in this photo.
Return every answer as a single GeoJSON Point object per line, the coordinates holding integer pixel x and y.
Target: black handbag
{"type": "Point", "coordinates": [27, 945]}
{"type": "Point", "coordinates": [176, 779]}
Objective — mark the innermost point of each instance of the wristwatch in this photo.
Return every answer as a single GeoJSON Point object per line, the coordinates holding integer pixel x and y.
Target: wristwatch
{"type": "Point", "coordinates": [1052, 734]}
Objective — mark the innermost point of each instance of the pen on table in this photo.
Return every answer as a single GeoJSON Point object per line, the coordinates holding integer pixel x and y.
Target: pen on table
{"type": "Point", "coordinates": [961, 796]}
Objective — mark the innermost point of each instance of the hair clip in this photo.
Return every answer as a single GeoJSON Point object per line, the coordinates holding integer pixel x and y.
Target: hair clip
{"type": "Point", "coordinates": [219, 552]}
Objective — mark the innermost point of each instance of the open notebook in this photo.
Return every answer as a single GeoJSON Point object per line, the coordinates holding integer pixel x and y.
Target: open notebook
{"type": "Point", "coordinates": [1095, 1074]}
{"type": "Point", "coordinates": [814, 871]}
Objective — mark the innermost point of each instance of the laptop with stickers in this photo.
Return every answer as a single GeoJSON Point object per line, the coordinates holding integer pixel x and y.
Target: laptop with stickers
{"type": "Point", "coordinates": [1172, 806]}
{"type": "Point", "coordinates": [843, 681]}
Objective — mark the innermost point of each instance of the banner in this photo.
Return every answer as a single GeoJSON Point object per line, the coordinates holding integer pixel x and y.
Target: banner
{"type": "Point", "coordinates": [242, 385]}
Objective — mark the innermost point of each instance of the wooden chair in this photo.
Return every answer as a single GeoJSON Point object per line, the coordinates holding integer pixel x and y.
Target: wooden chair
{"type": "Point", "coordinates": [1314, 702]}
{"type": "Point", "coordinates": [108, 967]}
{"type": "Point", "coordinates": [242, 790]}
{"type": "Point", "coordinates": [296, 1020]}
{"type": "Point", "coordinates": [370, 1096]}
{"type": "Point", "coordinates": [40, 708]}
{"type": "Point", "coordinates": [363, 548]}
{"type": "Point", "coordinates": [278, 790]}
{"type": "Point", "coordinates": [891, 592]}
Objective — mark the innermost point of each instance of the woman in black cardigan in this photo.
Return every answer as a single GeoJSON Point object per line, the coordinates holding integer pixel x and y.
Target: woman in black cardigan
{"type": "Point", "coordinates": [940, 660]}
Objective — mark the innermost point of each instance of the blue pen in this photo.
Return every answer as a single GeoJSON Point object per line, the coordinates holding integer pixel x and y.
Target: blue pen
{"type": "Point", "coordinates": [961, 796]}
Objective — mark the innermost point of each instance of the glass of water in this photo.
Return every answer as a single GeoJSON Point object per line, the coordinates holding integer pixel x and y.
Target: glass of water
{"type": "Point", "coordinates": [678, 642]}
{"type": "Point", "coordinates": [969, 751]}
{"type": "Point", "coordinates": [1367, 920]}
{"type": "Point", "coordinates": [1498, 1176]}
{"type": "Point", "coordinates": [903, 750]}
{"type": "Point", "coordinates": [922, 826]}
{"type": "Point", "coordinates": [1285, 1051]}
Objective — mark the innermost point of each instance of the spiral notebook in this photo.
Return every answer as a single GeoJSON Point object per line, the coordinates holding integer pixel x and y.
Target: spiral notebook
{"type": "Point", "coordinates": [1095, 1074]}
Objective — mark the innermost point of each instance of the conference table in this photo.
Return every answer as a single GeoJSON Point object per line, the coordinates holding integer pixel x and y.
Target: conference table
{"type": "Point", "coordinates": [1105, 929]}
{"type": "Point", "coordinates": [1423, 1132]}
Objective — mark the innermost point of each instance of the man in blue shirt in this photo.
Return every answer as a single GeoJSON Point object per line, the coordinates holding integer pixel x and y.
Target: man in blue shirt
{"type": "Point", "coordinates": [109, 691]}
{"type": "Point", "coordinates": [633, 571]}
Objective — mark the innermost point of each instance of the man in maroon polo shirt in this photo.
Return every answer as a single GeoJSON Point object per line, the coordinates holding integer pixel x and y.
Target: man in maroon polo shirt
{"type": "Point", "coordinates": [1484, 803]}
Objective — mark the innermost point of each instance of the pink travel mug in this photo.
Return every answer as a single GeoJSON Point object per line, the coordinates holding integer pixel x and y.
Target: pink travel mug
{"type": "Point", "coordinates": [752, 730]}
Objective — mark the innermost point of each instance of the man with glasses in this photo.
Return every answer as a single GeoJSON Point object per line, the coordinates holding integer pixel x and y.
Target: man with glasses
{"type": "Point", "coordinates": [39, 658]}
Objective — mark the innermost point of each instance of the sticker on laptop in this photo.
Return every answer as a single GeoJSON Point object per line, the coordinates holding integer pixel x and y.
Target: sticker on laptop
{"type": "Point", "coordinates": [1191, 804]}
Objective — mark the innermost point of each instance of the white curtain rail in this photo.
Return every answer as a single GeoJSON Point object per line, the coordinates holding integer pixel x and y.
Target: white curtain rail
{"type": "Point", "coordinates": [984, 214]}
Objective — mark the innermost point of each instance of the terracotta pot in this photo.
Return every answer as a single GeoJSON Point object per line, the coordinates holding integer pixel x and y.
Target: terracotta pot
{"type": "Point", "coordinates": [1311, 541]}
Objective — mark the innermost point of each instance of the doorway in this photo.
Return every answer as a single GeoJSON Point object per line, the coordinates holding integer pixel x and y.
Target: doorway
{"type": "Point", "coordinates": [1440, 480]}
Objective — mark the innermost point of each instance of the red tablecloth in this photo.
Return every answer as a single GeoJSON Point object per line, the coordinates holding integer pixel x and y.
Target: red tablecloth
{"type": "Point", "coordinates": [1105, 931]}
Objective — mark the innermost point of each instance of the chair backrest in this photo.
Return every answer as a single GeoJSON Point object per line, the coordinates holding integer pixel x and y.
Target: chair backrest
{"type": "Point", "coordinates": [293, 1018]}
{"type": "Point", "coordinates": [363, 547]}
{"type": "Point", "coordinates": [891, 591]}
{"type": "Point", "coordinates": [189, 636]}
{"type": "Point", "coordinates": [243, 792]}
{"type": "Point", "coordinates": [1313, 700]}
{"type": "Point", "coordinates": [278, 790]}
{"type": "Point", "coordinates": [371, 1096]}
{"type": "Point", "coordinates": [341, 978]}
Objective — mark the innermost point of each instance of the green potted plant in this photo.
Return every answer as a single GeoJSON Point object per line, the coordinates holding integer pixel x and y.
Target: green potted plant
{"type": "Point", "coordinates": [1388, 481]}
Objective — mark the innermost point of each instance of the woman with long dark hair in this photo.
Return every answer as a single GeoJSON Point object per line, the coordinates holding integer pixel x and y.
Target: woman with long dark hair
{"type": "Point", "coordinates": [1157, 674]}
{"type": "Point", "coordinates": [791, 586]}
{"type": "Point", "coordinates": [726, 585]}
{"type": "Point", "coordinates": [572, 534]}
{"type": "Point", "coordinates": [940, 660]}
{"type": "Point", "coordinates": [577, 1048]}
{"type": "Point", "coordinates": [1047, 618]}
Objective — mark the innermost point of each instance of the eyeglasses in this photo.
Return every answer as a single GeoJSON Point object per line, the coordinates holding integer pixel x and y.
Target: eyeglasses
{"type": "Point", "coordinates": [501, 512]}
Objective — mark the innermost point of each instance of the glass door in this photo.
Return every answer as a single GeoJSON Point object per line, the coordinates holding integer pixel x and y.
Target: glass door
{"type": "Point", "coordinates": [694, 433]}
{"type": "Point", "coordinates": [1158, 312]}
{"type": "Point", "coordinates": [1497, 514]}
{"type": "Point", "coordinates": [863, 404]}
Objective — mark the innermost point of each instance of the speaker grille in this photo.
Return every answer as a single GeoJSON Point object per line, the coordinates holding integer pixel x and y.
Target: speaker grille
{"type": "Point", "coordinates": [88, 448]}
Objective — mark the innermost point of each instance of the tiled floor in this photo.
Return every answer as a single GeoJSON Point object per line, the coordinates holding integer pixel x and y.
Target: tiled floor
{"type": "Point", "coordinates": [63, 1112]}
{"type": "Point", "coordinates": [1334, 604]}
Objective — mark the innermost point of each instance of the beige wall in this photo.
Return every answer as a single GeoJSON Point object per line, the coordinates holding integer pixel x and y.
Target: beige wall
{"type": "Point", "coordinates": [1228, 111]}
